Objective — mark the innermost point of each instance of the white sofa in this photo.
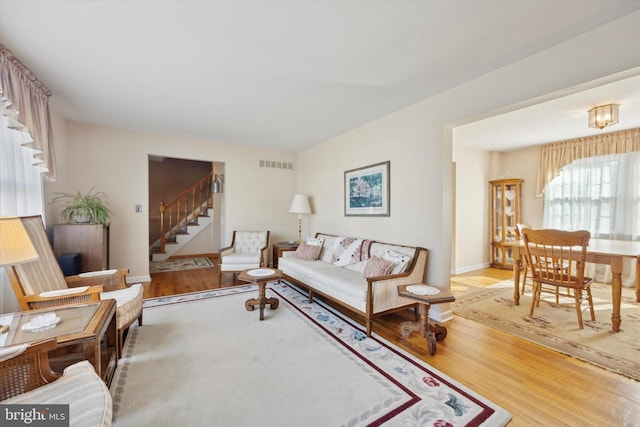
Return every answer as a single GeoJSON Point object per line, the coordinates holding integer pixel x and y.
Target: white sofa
{"type": "Point", "coordinates": [348, 286]}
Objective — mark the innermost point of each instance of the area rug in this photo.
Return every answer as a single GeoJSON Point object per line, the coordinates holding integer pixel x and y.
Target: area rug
{"type": "Point", "coordinates": [203, 359]}
{"type": "Point", "coordinates": [178, 264]}
{"type": "Point", "coordinates": [556, 326]}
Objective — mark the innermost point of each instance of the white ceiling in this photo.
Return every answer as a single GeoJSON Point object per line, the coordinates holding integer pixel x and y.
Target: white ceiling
{"type": "Point", "coordinates": [559, 119]}
{"type": "Point", "coordinates": [285, 74]}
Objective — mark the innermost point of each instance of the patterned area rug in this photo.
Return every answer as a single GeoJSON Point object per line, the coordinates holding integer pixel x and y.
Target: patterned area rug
{"type": "Point", "coordinates": [203, 359]}
{"type": "Point", "coordinates": [556, 326]}
{"type": "Point", "coordinates": [178, 264]}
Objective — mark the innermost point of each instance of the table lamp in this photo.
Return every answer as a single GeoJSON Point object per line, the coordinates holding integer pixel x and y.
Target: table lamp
{"type": "Point", "coordinates": [15, 244]}
{"type": "Point", "coordinates": [300, 205]}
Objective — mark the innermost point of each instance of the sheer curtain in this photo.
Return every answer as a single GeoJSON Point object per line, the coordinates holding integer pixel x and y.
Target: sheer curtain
{"type": "Point", "coordinates": [20, 191]}
{"type": "Point", "coordinates": [600, 194]}
{"type": "Point", "coordinates": [26, 149]}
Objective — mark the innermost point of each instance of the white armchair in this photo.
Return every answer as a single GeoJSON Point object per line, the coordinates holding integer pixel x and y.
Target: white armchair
{"type": "Point", "coordinates": [248, 249]}
{"type": "Point", "coordinates": [26, 378]}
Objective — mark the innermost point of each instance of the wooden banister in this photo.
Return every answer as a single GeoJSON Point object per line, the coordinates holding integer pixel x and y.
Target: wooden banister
{"type": "Point", "coordinates": [184, 209]}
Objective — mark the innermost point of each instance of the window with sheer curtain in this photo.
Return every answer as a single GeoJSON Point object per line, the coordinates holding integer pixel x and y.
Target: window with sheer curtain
{"type": "Point", "coordinates": [20, 191]}
{"type": "Point", "coordinates": [26, 149]}
{"type": "Point", "coordinates": [600, 194]}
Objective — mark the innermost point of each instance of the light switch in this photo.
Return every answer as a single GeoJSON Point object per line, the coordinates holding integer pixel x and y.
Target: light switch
{"type": "Point", "coordinates": [138, 208]}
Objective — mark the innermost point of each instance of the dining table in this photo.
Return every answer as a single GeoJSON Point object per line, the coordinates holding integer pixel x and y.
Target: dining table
{"type": "Point", "coordinates": [599, 251]}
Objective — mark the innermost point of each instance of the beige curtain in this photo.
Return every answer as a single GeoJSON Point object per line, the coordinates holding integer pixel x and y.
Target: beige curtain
{"type": "Point", "coordinates": [25, 102]}
{"type": "Point", "coordinates": [554, 156]}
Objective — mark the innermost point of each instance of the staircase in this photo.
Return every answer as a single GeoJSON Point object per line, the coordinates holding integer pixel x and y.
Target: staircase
{"type": "Point", "coordinates": [183, 218]}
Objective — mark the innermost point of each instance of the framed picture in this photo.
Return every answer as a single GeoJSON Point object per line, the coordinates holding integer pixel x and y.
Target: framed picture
{"type": "Point", "coordinates": [366, 191]}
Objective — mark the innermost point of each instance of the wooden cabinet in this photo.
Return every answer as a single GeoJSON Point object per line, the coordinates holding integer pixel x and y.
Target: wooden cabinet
{"type": "Point", "coordinates": [90, 240]}
{"type": "Point", "coordinates": [505, 206]}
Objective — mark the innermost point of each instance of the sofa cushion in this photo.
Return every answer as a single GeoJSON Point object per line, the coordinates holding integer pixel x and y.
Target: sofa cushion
{"type": "Point", "coordinates": [378, 267]}
{"type": "Point", "coordinates": [301, 268]}
{"type": "Point", "coordinates": [399, 261]}
{"type": "Point", "coordinates": [308, 252]}
{"type": "Point", "coordinates": [241, 258]}
{"type": "Point", "coordinates": [343, 284]}
{"type": "Point", "coordinates": [315, 241]}
{"type": "Point", "coordinates": [81, 388]}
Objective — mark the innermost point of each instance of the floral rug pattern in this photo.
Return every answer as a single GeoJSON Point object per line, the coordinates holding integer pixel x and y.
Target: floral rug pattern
{"type": "Point", "coordinates": [423, 396]}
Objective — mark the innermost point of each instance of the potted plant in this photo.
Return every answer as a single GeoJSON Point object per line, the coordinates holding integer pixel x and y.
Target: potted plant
{"type": "Point", "coordinates": [83, 208]}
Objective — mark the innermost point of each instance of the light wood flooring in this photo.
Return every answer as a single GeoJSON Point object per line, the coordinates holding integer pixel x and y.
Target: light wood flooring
{"type": "Point", "coordinates": [540, 387]}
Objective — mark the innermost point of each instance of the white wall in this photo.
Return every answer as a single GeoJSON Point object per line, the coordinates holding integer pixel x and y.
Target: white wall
{"type": "Point", "coordinates": [417, 140]}
{"type": "Point", "coordinates": [471, 227]}
{"type": "Point", "coordinates": [116, 162]}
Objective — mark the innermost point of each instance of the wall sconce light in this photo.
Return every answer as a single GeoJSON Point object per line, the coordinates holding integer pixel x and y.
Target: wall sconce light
{"type": "Point", "coordinates": [216, 186]}
{"type": "Point", "coordinates": [603, 115]}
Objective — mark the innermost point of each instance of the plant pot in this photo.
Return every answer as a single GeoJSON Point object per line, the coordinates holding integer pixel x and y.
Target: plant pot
{"type": "Point", "coordinates": [80, 218]}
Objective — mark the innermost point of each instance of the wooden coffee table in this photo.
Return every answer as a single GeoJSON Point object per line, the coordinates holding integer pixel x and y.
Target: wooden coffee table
{"type": "Point", "coordinates": [84, 332]}
{"type": "Point", "coordinates": [428, 328]}
{"type": "Point", "coordinates": [261, 276]}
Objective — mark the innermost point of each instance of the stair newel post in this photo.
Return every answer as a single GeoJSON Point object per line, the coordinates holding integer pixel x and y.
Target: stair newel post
{"type": "Point", "coordinates": [162, 238]}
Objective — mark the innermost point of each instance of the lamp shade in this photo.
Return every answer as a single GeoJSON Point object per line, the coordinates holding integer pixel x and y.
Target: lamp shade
{"type": "Point", "coordinates": [300, 205]}
{"type": "Point", "coordinates": [15, 244]}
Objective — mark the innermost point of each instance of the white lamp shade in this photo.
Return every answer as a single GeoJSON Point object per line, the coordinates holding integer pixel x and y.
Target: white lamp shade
{"type": "Point", "coordinates": [300, 205]}
{"type": "Point", "coordinates": [15, 244]}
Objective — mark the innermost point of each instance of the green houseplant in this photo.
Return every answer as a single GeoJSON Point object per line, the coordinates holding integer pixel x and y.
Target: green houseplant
{"type": "Point", "coordinates": [82, 208]}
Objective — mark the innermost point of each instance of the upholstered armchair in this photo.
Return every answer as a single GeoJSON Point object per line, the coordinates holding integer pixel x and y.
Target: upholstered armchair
{"type": "Point", "coordinates": [41, 283]}
{"type": "Point", "coordinates": [248, 249]}
{"type": "Point", "coordinates": [26, 378]}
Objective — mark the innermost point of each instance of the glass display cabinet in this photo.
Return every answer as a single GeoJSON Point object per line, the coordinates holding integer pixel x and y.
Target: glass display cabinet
{"type": "Point", "coordinates": [505, 214]}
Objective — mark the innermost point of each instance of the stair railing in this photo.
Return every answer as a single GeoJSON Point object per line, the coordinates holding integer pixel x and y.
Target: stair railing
{"type": "Point", "coordinates": [180, 212]}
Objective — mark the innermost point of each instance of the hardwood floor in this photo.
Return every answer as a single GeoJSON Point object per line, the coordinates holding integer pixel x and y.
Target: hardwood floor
{"type": "Point", "coordinates": [540, 387]}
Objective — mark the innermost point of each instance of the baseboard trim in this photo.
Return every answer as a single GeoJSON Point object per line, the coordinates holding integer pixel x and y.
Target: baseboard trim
{"type": "Point", "coordinates": [469, 268]}
{"type": "Point", "coordinates": [138, 279]}
{"type": "Point", "coordinates": [441, 313]}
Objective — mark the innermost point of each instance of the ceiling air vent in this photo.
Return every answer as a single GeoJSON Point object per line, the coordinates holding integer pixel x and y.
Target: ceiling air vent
{"type": "Point", "coordinates": [276, 165]}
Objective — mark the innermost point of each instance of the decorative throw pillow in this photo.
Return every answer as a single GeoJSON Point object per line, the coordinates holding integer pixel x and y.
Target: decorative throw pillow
{"type": "Point", "coordinates": [314, 241]}
{"type": "Point", "coordinates": [307, 252]}
{"type": "Point", "coordinates": [399, 261]}
{"type": "Point", "coordinates": [377, 267]}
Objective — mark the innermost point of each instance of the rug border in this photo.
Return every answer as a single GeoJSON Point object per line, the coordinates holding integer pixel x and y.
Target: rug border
{"type": "Point", "coordinates": [495, 414]}
{"type": "Point", "coordinates": [483, 416]}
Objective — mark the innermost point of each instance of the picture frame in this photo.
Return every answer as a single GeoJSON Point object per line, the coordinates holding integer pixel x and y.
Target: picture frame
{"type": "Point", "coordinates": [367, 190]}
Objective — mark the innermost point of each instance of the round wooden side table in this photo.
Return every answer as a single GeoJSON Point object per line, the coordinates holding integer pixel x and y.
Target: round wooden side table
{"type": "Point", "coordinates": [261, 276]}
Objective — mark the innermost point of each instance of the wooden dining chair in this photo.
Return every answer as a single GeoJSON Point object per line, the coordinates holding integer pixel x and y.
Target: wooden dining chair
{"type": "Point", "coordinates": [556, 291]}
{"type": "Point", "coordinates": [525, 269]}
{"type": "Point", "coordinates": [551, 254]}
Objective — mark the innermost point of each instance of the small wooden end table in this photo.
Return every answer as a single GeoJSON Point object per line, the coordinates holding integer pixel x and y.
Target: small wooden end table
{"type": "Point", "coordinates": [261, 276]}
{"type": "Point", "coordinates": [279, 248]}
{"type": "Point", "coordinates": [84, 331]}
{"type": "Point", "coordinates": [428, 328]}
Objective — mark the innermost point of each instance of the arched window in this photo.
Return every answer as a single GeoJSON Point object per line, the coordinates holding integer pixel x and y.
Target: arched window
{"type": "Point", "coordinates": [600, 194]}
